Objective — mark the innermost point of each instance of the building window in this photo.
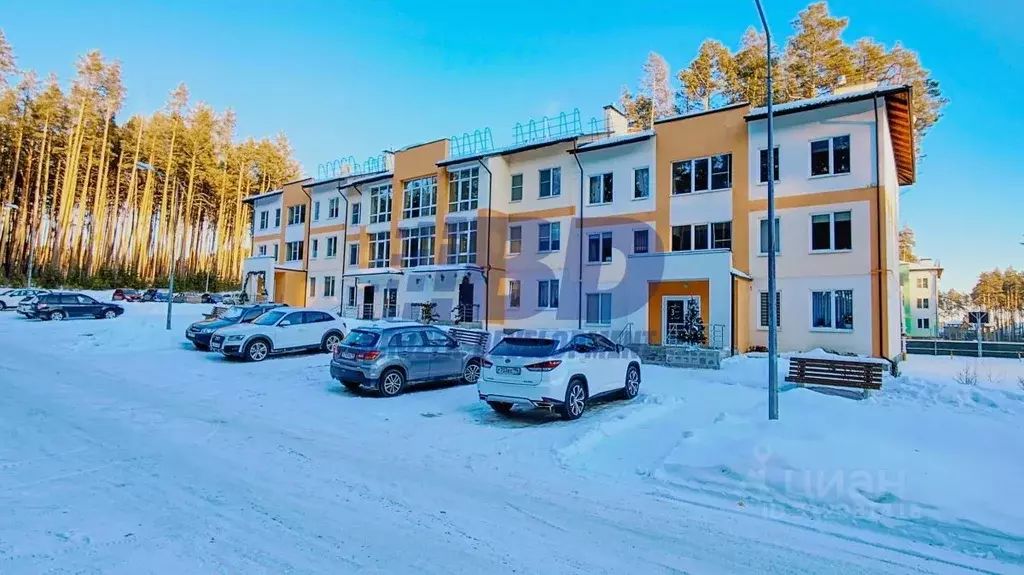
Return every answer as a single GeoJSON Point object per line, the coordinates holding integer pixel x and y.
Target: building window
{"type": "Point", "coordinates": [293, 251]}
{"type": "Point", "coordinates": [599, 247]}
{"type": "Point", "coordinates": [462, 243]}
{"type": "Point", "coordinates": [641, 183]}
{"type": "Point", "coordinates": [264, 219]}
{"type": "Point", "coordinates": [276, 251]}
{"type": "Point", "coordinates": [312, 286]}
{"type": "Point", "coordinates": [296, 215]}
{"type": "Point", "coordinates": [922, 303]}
{"type": "Point", "coordinates": [547, 294]}
{"type": "Point", "coordinates": [515, 240]}
{"type": "Point", "coordinates": [328, 286]}
{"type": "Point", "coordinates": [923, 323]}
{"type": "Point", "coordinates": [353, 254]}
{"type": "Point", "coordinates": [332, 207]}
{"type": "Point", "coordinates": [764, 309]}
{"type": "Point", "coordinates": [601, 189]}
{"type": "Point", "coordinates": [549, 237]}
{"type": "Point", "coordinates": [764, 236]}
{"type": "Point", "coordinates": [641, 243]}
{"type": "Point", "coordinates": [418, 246]}
{"type": "Point", "coordinates": [420, 197]}
{"type": "Point", "coordinates": [332, 246]}
{"type": "Point", "coordinates": [830, 156]}
{"type": "Point", "coordinates": [380, 204]}
{"type": "Point", "coordinates": [702, 174]}
{"type": "Point", "coordinates": [599, 308]}
{"type": "Point", "coordinates": [316, 211]}
{"type": "Point", "coordinates": [763, 178]}
{"type": "Point", "coordinates": [922, 283]}
{"type": "Point", "coordinates": [514, 293]}
{"type": "Point", "coordinates": [463, 189]}
{"type": "Point", "coordinates": [356, 210]}
{"type": "Point", "coordinates": [263, 250]}
{"type": "Point", "coordinates": [314, 248]}
{"type": "Point", "coordinates": [517, 188]}
{"type": "Point", "coordinates": [832, 310]}
{"type": "Point", "coordinates": [698, 237]}
{"type": "Point", "coordinates": [380, 249]}
{"type": "Point", "coordinates": [351, 301]}
{"type": "Point", "coordinates": [277, 218]}
{"type": "Point", "coordinates": [832, 231]}
{"type": "Point", "coordinates": [550, 182]}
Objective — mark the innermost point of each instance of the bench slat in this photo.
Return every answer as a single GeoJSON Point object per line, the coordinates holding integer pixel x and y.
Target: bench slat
{"type": "Point", "coordinates": [838, 373]}
{"type": "Point", "coordinates": [834, 383]}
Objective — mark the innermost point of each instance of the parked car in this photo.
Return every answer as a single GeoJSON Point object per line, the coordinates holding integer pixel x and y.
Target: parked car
{"type": "Point", "coordinates": [200, 332]}
{"type": "Point", "coordinates": [211, 298]}
{"type": "Point", "coordinates": [126, 294]}
{"type": "Point", "coordinates": [279, 331]}
{"type": "Point", "coordinates": [388, 357]}
{"type": "Point", "coordinates": [10, 299]}
{"type": "Point", "coordinates": [60, 306]}
{"type": "Point", "coordinates": [545, 373]}
{"type": "Point", "coordinates": [27, 306]}
{"type": "Point", "coordinates": [153, 294]}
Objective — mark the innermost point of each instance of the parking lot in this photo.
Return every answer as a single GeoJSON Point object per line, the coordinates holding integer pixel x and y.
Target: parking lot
{"type": "Point", "coordinates": [124, 450]}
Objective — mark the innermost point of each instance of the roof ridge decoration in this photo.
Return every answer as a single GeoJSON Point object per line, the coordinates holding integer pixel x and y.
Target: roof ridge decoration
{"type": "Point", "coordinates": [349, 166]}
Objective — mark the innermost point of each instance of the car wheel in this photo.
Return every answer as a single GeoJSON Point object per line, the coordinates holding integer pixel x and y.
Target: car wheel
{"type": "Point", "coordinates": [351, 386]}
{"type": "Point", "coordinates": [257, 350]}
{"type": "Point", "coordinates": [575, 400]}
{"type": "Point", "coordinates": [471, 373]}
{"type": "Point", "coordinates": [632, 382]}
{"type": "Point", "coordinates": [109, 314]}
{"type": "Point", "coordinates": [500, 407]}
{"type": "Point", "coordinates": [57, 315]}
{"type": "Point", "coordinates": [330, 342]}
{"type": "Point", "coordinates": [391, 383]}
{"type": "Point", "coordinates": [3, 306]}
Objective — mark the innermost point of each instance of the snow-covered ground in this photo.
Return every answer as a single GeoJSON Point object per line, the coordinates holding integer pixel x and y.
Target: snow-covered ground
{"type": "Point", "coordinates": [122, 450]}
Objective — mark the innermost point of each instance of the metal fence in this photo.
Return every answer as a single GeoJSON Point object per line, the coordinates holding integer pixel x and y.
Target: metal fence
{"type": "Point", "coordinates": [1010, 350]}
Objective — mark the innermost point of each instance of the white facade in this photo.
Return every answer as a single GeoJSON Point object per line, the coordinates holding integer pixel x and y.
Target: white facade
{"type": "Point", "coordinates": [921, 294]}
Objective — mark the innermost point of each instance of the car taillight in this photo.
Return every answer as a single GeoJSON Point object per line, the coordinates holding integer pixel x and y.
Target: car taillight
{"type": "Point", "coordinates": [337, 350]}
{"type": "Point", "coordinates": [368, 355]}
{"type": "Point", "coordinates": [544, 365]}
{"type": "Point", "coordinates": [485, 363]}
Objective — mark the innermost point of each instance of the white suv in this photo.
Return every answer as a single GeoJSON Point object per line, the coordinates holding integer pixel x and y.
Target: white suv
{"type": "Point", "coordinates": [281, 330]}
{"type": "Point", "coordinates": [10, 299]}
{"type": "Point", "coordinates": [562, 376]}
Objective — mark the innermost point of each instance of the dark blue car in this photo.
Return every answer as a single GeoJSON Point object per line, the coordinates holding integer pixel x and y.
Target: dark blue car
{"type": "Point", "coordinates": [200, 332]}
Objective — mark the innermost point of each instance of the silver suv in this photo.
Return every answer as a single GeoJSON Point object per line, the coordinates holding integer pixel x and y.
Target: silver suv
{"type": "Point", "coordinates": [387, 358]}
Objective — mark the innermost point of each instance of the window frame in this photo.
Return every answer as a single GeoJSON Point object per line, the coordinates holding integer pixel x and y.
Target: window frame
{"type": "Point", "coordinates": [420, 188]}
{"type": "Point", "coordinates": [924, 303]}
{"type": "Point", "coordinates": [647, 240]}
{"type": "Point", "coordinates": [454, 236]}
{"type": "Point", "coordinates": [296, 214]}
{"type": "Point", "coordinates": [775, 161]}
{"type": "Point", "coordinates": [551, 226]}
{"type": "Point", "coordinates": [329, 286]}
{"type": "Point", "coordinates": [832, 232]}
{"type": "Point", "coordinates": [601, 238]}
{"type": "Point", "coordinates": [380, 195]}
{"type": "Point", "coordinates": [515, 288]}
{"type": "Point", "coordinates": [379, 242]}
{"type": "Point", "coordinates": [355, 214]}
{"type": "Point", "coordinates": [512, 188]}
{"type": "Point", "coordinates": [708, 235]}
{"type": "Point", "coordinates": [601, 298]}
{"type": "Point", "coordinates": [316, 211]}
{"type": "Point", "coordinates": [926, 325]}
{"type": "Point", "coordinates": [419, 237]}
{"type": "Point", "coordinates": [833, 295]}
{"type": "Point", "coordinates": [831, 156]}
{"type": "Point", "coordinates": [550, 287]}
{"type": "Point", "coordinates": [314, 248]}
{"type": "Point", "coordinates": [264, 219]}
{"type": "Point", "coordinates": [605, 190]}
{"type": "Point", "coordinates": [647, 182]}
{"type": "Point", "coordinates": [332, 247]}
{"type": "Point", "coordinates": [693, 174]}
{"type": "Point", "coordinates": [277, 217]}
{"type": "Point", "coordinates": [456, 201]}
{"type": "Point", "coordinates": [762, 309]}
{"type": "Point", "coordinates": [508, 248]}
{"type": "Point", "coordinates": [312, 286]}
{"type": "Point", "coordinates": [762, 250]}
{"type": "Point", "coordinates": [352, 252]}
{"type": "Point", "coordinates": [333, 207]}
{"type": "Point", "coordinates": [297, 246]}
{"type": "Point", "coordinates": [552, 172]}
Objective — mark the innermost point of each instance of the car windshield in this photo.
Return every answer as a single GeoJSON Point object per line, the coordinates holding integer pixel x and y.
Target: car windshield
{"type": "Point", "coordinates": [269, 318]}
{"type": "Point", "coordinates": [234, 312]}
{"type": "Point", "coordinates": [525, 347]}
{"type": "Point", "coordinates": [362, 338]}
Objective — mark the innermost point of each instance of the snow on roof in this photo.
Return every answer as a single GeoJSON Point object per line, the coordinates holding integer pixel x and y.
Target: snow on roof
{"type": "Point", "coordinates": [616, 140]}
{"type": "Point", "coordinates": [821, 101]}
{"type": "Point", "coordinates": [262, 196]}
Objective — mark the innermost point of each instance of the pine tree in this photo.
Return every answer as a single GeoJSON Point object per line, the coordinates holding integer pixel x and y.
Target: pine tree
{"type": "Point", "coordinates": [693, 325]}
{"type": "Point", "coordinates": [655, 85]}
{"type": "Point", "coordinates": [638, 110]}
{"type": "Point", "coordinates": [705, 83]}
{"type": "Point", "coordinates": [817, 59]}
{"type": "Point", "coordinates": [907, 243]}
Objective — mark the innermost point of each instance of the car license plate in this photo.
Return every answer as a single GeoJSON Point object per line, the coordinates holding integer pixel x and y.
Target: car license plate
{"type": "Point", "coordinates": [508, 370]}
{"type": "Point", "coordinates": [348, 355]}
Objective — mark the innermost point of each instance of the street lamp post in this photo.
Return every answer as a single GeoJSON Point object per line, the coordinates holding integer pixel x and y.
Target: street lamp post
{"type": "Point", "coordinates": [773, 332]}
{"type": "Point", "coordinates": [174, 242]}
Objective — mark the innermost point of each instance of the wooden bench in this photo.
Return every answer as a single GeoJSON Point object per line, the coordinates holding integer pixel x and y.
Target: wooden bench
{"type": "Point", "coordinates": [865, 375]}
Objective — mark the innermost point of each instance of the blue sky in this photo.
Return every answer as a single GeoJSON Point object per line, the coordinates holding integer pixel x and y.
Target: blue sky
{"type": "Point", "coordinates": [353, 78]}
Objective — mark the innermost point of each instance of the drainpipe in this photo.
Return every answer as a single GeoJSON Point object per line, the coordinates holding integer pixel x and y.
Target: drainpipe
{"type": "Point", "coordinates": [344, 250]}
{"type": "Point", "coordinates": [878, 230]}
{"type": "Point", "coordinates": [309, 242]}
{"type": "Point", "coordinates": [487, 274]}
{"type": "Point", "coordinates": [579, 286]}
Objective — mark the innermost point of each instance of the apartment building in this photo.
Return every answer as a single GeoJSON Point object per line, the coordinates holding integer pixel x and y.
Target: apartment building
{"type": "Point", "coordinates": [920, 288]}
{"type": "Point", "coordinates": [604, 228]}
{"type": "Point", "coordinates": [277, 268]}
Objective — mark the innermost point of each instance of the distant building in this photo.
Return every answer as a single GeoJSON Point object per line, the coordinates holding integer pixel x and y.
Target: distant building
{"type": "Point", "coordinates": [920, 285]}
